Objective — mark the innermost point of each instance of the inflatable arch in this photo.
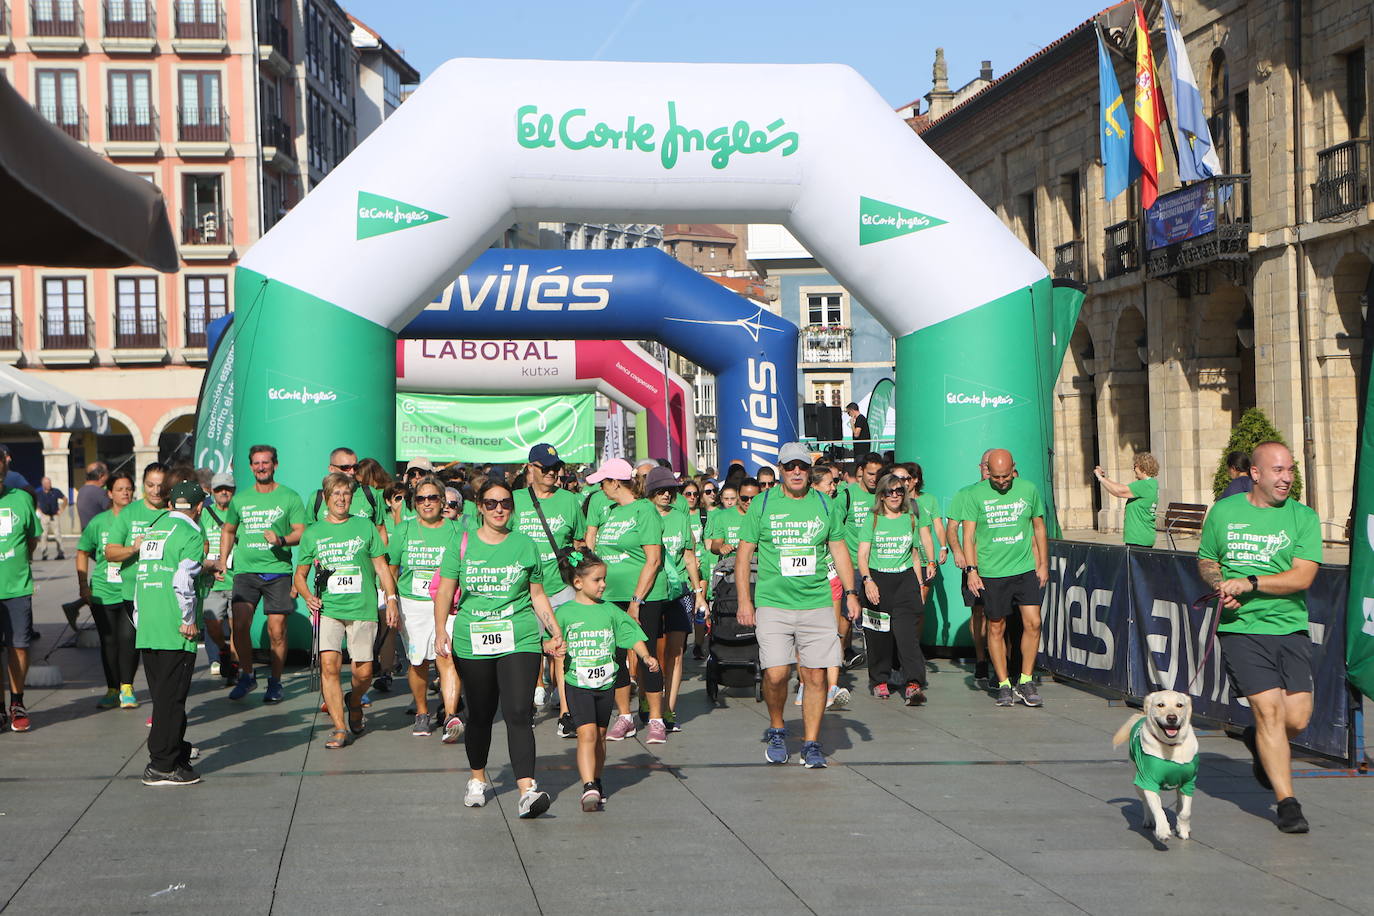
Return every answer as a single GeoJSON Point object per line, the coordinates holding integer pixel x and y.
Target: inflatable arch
{"type": "Point", "coordinates": [484, 143]}
{"type": "Point", "coordinates": [621, 370]}
{"type": "Point", "coordinates": [636, 294]}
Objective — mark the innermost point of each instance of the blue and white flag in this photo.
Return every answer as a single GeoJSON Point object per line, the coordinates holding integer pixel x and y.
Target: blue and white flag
{"type": "Point", "coordinates": [1197, 158]}
{"type": "Point", "coordinates": [1114, 127]}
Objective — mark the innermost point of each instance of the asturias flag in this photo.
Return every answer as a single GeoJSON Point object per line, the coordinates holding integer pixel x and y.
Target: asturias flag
{"type": "Point", "coordinates": [1114, 128]}
{"type": "Point", "coordinates": [1149, 111]}
{"type": "Point", "coordinates": [1197, 159]}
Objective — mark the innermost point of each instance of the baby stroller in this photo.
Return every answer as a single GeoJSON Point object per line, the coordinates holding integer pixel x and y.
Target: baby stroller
{"type": "Point", "coordinates": [732, 658]}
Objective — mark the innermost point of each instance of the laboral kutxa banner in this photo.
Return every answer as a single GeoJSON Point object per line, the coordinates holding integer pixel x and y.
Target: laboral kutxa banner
{"type": "Point", "coordinates": [493, 428]}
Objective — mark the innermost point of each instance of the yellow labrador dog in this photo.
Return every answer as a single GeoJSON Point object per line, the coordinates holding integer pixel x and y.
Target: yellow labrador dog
{"type": "Point", "coordinates": [1164, 750]}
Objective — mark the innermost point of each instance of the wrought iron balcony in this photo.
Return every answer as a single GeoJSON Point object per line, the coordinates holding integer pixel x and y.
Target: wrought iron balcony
{"type": "Point", "coordinates": [202, 125]}
{"type": "Point", "coordinates": [277, 134]}
{"type": "Point", "coordinates": [4, 17]}
{"type": "Point", "coordinates": [131, 19]}
{"type": "Point", "coordinates": [66, 332]}
{"type": "Point", "coordinates": [10, 336]}
{"type": "Point", "coordinates": [191, 21]}
{"type": "Point", "coordinates": [131, 125]}
{"type": "Point", "coordinates": [207, 227]}
{"type": "Point", "coordinates": [826, 343]}
{"type": "Point", "coordinates": [1122, 254]}
{"type": "Point", "coordinates": [137, 331]}
{"type": "Point", "coordinates": [57, 18]}
{"type": "Point", "coordinates": [1342, 179]}
{"type": "Point", "coordinates": [1068, 261]}
{"type": "Point", "coordinates": [1206, 223]}
{"type": "Point", "coordinates": [271, 31]}
{"type": "Point", "coordinates": [73, 123]}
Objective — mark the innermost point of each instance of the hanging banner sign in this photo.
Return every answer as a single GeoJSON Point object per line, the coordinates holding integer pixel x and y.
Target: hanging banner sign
{"type": "Point", "coordinates": [1182, 215]}
{"type": "Point", "coordinates": [492, 428]}
{"type": "Point", "coordinates": [214, 442]}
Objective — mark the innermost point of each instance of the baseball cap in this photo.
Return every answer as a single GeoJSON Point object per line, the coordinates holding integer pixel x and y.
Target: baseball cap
{"type": "Point", "coordinates": [660, 479]}
{"type": "Point", "coordinates": [221, 480]}
{"type": "Point", "coordinates": [612, 469]}
{"type": "Point", "coordinates": [420, 464]}
{"type": "Point", "coordinates": [545, 455]}
{"type": "Point", "coordinates": [186, 495]}
{"type": "Point", "coordinates": [794, 451]}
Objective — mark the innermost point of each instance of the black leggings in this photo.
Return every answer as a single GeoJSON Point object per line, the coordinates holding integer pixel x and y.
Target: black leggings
{"type": "Point", "coordinates": [899, 595]}
{"type": "Point", "coordinates": [507, 682]}
{"type": "Point", "coordinates": [651, 622]}
{"type": "Point", "coordinates": [118, 657]}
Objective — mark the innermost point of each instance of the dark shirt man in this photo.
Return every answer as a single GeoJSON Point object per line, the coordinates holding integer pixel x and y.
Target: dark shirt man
{"type": "Point", "coordinates": [859, 423]}
{"type": "Point", "coordinates": [92, 499]}
{"type": "Point", "coordinates": [1238, 466]}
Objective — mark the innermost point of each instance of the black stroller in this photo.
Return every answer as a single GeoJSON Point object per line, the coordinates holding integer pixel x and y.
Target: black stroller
{"type": "Point", "coordinates": [732, 658]}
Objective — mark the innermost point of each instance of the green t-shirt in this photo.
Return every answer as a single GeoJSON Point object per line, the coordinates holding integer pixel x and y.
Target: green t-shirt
{"type": "Point", "coordinates": [892, 540]}
{"type": "Point", "coordinates": [856, 504]}
{"type": "Point", "coordinates": [620, 541]}
{"type": "Point", "coordinates": [1250, 540]}
{"type": "Point", "coordinates": [167, 542]}
{"type": "Point", "coordinates": [419, 551]}
{"type": "Point", "coordinates": [105, 576]}
{"type": "Point", "coordinates": [374, 511]}
{"type": "Point", "coordinates": [348, 548]}
{"type": "Point", "coordinates": [725, 524]}
{"type": "Point", "coordinates": [1139, 528]}
{"type": "Point", "coordinates": [211, 520]}
{"type": "Point", "coordinates": [1158, 774]}
{"type": "Point", "coordinates": [1004, 532]}
{"type": "Point", "coordinates": [592, 633]}
{"type": "Point", "coordinates": [596, 505]}
{"type": "Point", "coordinates": [129, 526]}
{"type": "Point", "coordinates": [706, 561]}
{"type": "Point", "coordinates": [19, 526]}
{"type": "Point", "coordinates": [929, 507]}
{"type": "Point", "coordinates": [677, 540]}
{"type": "Point", "coordinates": [793, 538]}
{"type": "Point", "coordinates": [495, 612]}
{"type": "Point", "coordinates": [563, 511]}
{"type": "Point", "coordinates": [254, 513]}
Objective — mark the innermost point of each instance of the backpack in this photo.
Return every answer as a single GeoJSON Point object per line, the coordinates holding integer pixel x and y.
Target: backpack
{"type": "Point", "coordinates": [319, 501]}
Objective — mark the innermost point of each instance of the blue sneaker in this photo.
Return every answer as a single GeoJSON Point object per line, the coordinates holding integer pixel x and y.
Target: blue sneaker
{"type": "Point", "coordinates": [811, 756]}
{"type": "Point", "coordinates": [776, 738]}
{"type": "Point", "coordinates": [274, 691]}
{"type": "Point", "coordinates": [246, 683]}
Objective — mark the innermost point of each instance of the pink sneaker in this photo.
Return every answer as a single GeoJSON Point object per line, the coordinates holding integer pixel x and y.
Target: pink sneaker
{"type": "Point", "coordinates": [623, 727]}
{"type": "Point", "coordinates": [881, 692]}
{"type": "Point", "coordinates": [658, 733]}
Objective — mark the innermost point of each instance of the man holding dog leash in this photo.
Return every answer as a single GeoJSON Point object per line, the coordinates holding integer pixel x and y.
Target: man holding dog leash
{"type": "Point", "coordinates": [1260, 551]}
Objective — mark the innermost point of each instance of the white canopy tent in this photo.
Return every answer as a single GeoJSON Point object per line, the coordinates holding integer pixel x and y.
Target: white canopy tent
{"type": "Point", "coordinates": [28, 400]}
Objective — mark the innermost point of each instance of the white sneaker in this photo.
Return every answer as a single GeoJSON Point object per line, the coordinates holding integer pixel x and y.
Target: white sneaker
{"type": "Point", "coordinates": [534, 802]}
{"type": "Point", "coordinates": [539, 696]}
{"type": "Point", "coordinates": [476, 794]}
{"type": "Point", "coordinates": [837, 698]}
{"type": "Point", "coordinates": [214, 669]}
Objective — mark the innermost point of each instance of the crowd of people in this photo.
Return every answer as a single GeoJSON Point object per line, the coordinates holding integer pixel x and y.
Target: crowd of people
{"type": "Point", "coordinates": [504, 589]}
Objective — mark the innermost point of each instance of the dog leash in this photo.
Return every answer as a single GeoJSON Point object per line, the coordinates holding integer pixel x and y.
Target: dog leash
{"type": "Point", "coordinates": [1200, 604]}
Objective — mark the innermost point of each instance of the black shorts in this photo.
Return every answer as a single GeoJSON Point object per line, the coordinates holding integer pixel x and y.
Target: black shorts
{"type": "Point", "coordinates": [589, 707]}
{"type": "Point", "coordinates": [970, 599]}
{"type": "Point", "coordinates": [1256, 663]}
{"type": "Point", "coordinates": [16, 620]}
{"type": "Point", "coordinates": [1004, 595]}
{"type": "Point", "coordinates": [678, 613]}
{"type": "Point", "coordinates": [275, 594]}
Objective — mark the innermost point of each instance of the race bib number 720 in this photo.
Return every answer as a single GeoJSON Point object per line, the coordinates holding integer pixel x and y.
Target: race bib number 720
{"type": "Point", "coordinates": [797, 561]}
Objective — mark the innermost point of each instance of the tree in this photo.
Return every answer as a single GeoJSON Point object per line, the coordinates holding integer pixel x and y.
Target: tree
{"type": "Point", "coordinates": [1254, 427]}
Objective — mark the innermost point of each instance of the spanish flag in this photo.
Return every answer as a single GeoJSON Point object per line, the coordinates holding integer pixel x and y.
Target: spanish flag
{"type": "Point", "coordinates": [1149, 112]}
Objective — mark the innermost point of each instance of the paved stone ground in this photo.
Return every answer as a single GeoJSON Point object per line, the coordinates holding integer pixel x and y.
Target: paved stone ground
{"type": "Point", "coordinates": [956, 805]}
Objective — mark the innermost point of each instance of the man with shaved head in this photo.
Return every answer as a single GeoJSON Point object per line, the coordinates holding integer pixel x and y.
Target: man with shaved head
{"type": "Point", "coordinates": [977, 624]}
{"type": "Point", "coordinates": [1006, 548]}
{"type": "Point", "coordinates": [1260, 551]}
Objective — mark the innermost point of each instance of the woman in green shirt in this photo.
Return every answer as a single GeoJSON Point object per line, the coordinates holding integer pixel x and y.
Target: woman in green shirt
{"type": "Point", "coordinates": [495, 640]}
{"type": "Point", "coordinates": [698, 511]}
{"type": "Point", "coordinates": [99, 582]}
{"type": "Point", "coordinates": [126, 534]}
{"type": "Point", "coordinates": [891, 586]}
{"type": "Point", "coordinates": [682, 577]}
{"type": "Point", "coordinates": [928, 514]}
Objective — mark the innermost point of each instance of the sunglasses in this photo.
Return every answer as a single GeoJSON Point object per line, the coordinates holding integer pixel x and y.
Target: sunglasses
{"type": "Point", "coordinates": [796, 466]}
{"type": "Point", "coordinates": [491, 505]}
{"type": "Point", "coordinates": [745, 499]}
{"type": "Point", "coordinates": [431, 498]}
{"type": "Point", "coordinates": [768, 484]}
{"type": "Point", "coordinates": [553, 470]}
{"type": "Point", "coordinates": [345, 468]}
{"type": "Point", "coordinates": [690, 493]}
{"type": "Point", "coordinates": [415, 472]}
{"type": "Point", "coordinates": [895, 491]}
{"type": "Point", "coordinates": [454, 504]}
{"type": "Point", "coordinates": [709, 491]}
{"type": "Point", "coordinates": [671, 491]}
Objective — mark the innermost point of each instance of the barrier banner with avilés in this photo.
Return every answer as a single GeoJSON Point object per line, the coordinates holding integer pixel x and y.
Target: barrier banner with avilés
{"type": "Point", "coordinates": [494, 428]}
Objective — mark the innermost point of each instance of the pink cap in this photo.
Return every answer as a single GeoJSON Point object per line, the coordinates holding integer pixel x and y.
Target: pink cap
{"type": "Point", "coordinates": [613, 469]}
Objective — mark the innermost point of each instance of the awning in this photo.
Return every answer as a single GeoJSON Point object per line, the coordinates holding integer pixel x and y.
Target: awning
{"type": "Point", "coordinates": [65, 206]}
{"type": "Point", "coordinates": [27, 400]}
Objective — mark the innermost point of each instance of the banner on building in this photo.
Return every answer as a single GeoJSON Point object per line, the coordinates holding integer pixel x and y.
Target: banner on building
{"type": "Point", "coordinates": [494, 428]}
{"type": "Point", "coordinates": [214, 442]}
{"type": "Point", "coordinates": [1181, 215]}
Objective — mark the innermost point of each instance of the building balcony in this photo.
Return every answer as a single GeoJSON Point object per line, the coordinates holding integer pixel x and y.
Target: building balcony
{"type": "Point", "coordinates": [11, 337]}
{"type": "Point", "coordinates": [203, 133]}
{"type": "Point", "coordinates": [73, 124]}
{"type": "Point", "coordinates": [131, 133]}
{"type": "Point", "coordinates": [67, 343]}
{"type": "Point", "coordinates": [130, 28]}
{"type": "Point", "coordinates": [1342, 179]}
{"type": "Point", "coordinates": [1068, 262]}
{"type": "Point", "coordinates": [194, 32]}
{"type": "Point", "coordinates": [207, 235]}
{"type": "Point", "coordinates": [5, 44]}
{"type": "Point", "coordinates": [138, 340]}
{"type": "Point", "coordinates": [1204, 225]}
{"type": "Point", "coordinates": [823, 343]}
{"type": "Point", "coordinates": [278, 145]}
{"type": "Point", "coordinates": [274, 45]}
{"type": "Point", "coordinates": [1122, 253]}
{"type": "Point", "coordinates": [56, 27]}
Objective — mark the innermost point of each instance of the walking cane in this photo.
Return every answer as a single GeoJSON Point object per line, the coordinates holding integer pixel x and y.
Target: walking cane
{"type": "Point", "coordinates": [322, 575]}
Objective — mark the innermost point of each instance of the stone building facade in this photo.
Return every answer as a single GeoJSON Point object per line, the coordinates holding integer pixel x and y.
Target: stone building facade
{"type": "Point", "coordinates": [1266, 310]}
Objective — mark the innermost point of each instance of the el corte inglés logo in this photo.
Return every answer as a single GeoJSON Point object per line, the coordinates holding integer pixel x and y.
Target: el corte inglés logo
{"type": "Point", "coordinates": [879, 221]}
{"type": "Point", "coordinates": [969, 400]}
{"type": "Point", "coordinates": [378, 215]}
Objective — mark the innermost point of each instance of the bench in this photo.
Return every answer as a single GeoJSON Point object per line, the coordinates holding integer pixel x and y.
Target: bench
{"type": "Point", "coordinates": [1347, 533]}
{"type": "Point", "coordinates": [1184, 518]}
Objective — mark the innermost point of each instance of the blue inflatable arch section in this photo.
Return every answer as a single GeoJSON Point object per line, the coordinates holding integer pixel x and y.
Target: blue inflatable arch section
{"type": "Point", "coordinates": [636, 294]}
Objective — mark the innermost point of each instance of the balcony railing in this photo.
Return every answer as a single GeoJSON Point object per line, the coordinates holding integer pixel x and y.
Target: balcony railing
{"type": "Point", "coordinates": [272, 32]}
{"type": "Point", "coordinates": [135, 332]}
{"type": "Point", "coordinates": [191, 23]}
{"type": "Point", "coordinates": [4, 17]}
{"type": "Point", "coordinates": [73, 124]}
{"type": "Point", "coordinates": [1122, 254]}
{"type": "Point", "coordinates": [277, 133]}
{"type": "Point", "coordinates": [207, 227]}
{"type": "Point", "coordinates": [1068, 261]}
{"type": "Point", "coordinates": [139, 125]}
{"type": "Point", "coordinates": [10, 336]}
{"type": "Point", "coordinates": [826, 343]}
{"type": "Point", "coordinates": [1342, 179]}
{"type": "Point", "coordinates": [134, 19]}
{"type": "Point", "coordinates": [57, 18]}
{"type": "Point", "coordinates": [1205, 223]}
{"type": "Point", "coordinates": [202, 125]}
{"type": "Point", "coordinates": [72, 334]}
{"type": "Point", "coordinates": [196, 322]}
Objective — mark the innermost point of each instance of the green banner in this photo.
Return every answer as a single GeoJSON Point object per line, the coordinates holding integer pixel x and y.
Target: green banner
{"type": "Point", "coordinates": [1359, 628]}
{"type": "Point", "coordinates": [882, 414]}
{"type": "Point", "coordinates": [214, 442]}
{"type": "Point", "coordinates": [494, 428]}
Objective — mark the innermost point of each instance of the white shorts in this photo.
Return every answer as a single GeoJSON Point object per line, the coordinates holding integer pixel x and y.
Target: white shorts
{"type": "Point", "coordinates": [417, 629]}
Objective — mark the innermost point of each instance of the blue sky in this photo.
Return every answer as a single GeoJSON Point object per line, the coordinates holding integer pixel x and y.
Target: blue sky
{"type": "Point", "coordinates": [891, 43]}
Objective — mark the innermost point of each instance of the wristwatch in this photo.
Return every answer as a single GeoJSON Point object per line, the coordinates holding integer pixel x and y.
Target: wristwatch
{"type": "Point", "coordinates": [635, 599]}
{"type": "Point", "coordinates": [969, 569]}
{"type": "Point", "coordinates": [851, 591]}
{"type": "Point", "coordinates": [1254, 582]}
{"type": "Point", "coordinates": [868, 578]}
